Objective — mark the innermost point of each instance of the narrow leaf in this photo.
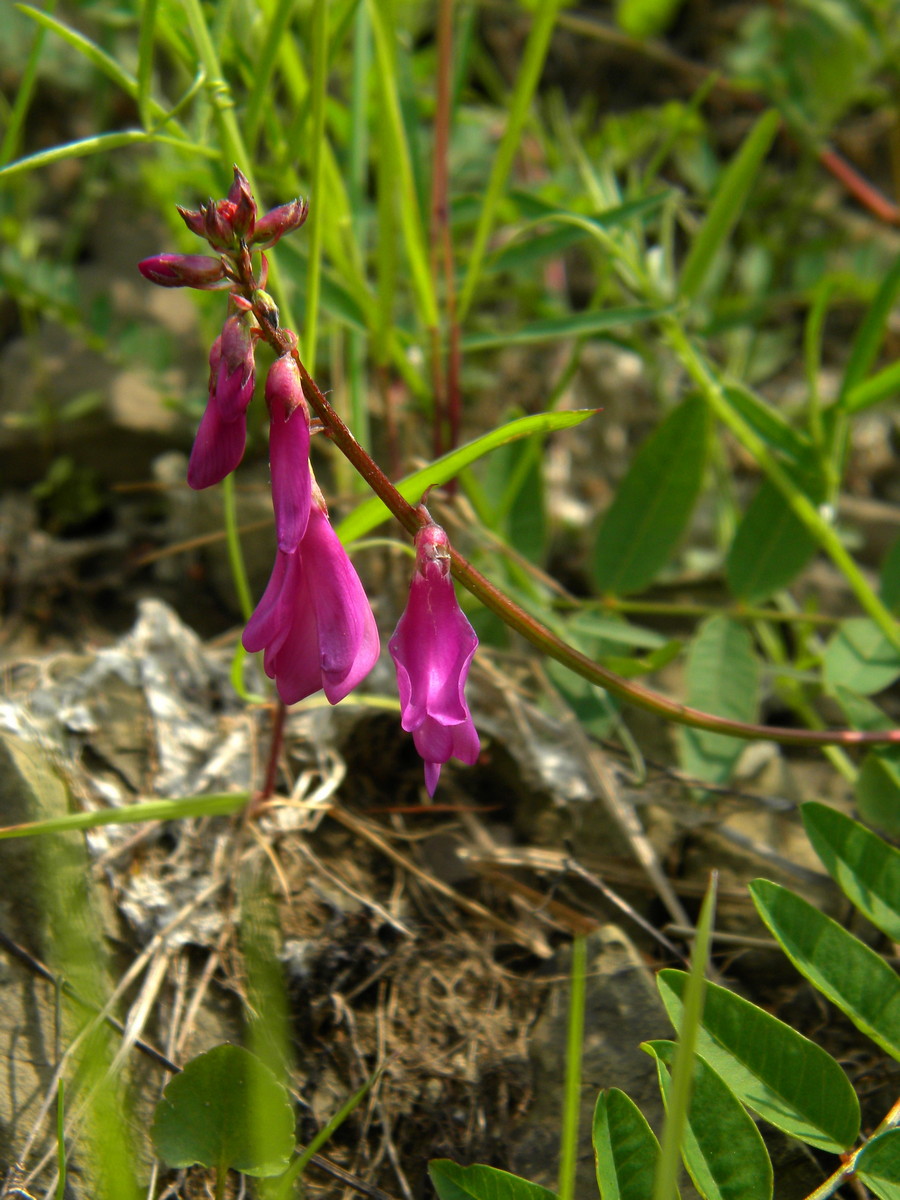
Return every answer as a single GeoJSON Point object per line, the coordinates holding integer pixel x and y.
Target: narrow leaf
{"type": "Point", "coordinates": [869, 338]}
{"type": "Point", "coordinates": [722, 1149]}
{"type": "Point", "coordinates": [863, 865]}
{"type": "Point", "coordinates": [772, 427]}
{"type": "Point", "coordinates": [97, 145]}
{"type": "Point", "coordinates": [781, 1075]}
{"type": "Point", "coordinates": [373, 511]}
{"type": "Point", "coordinates": [771, 546]}
{"type": "Point", "coordinates": [150, 810]}
{"type": "Point", "coordinates": [845, 970]}
{"type": "Point", "coordinates": [572, 325]}
{"type": "Point", "coordinates": [734, 187]}
{"type": "Point", "coordinates": [722, 677]}
{"type": "Point", "coordinates": [625, 1148]}
{"type": "Point", "coordinates": [860, 657]}
{"type": "Point", "coordinates": [651, 509]}
{"type": "Point", "coordinates": [453, 1182]}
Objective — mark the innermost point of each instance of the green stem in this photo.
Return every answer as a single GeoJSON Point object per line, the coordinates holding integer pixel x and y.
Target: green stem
{"type": "Point", "coordinates": [23, 95]}
{"type": "Point", "coordinates": [568, 1158]}
{"type": "Point", "coordinates": [802, 506]}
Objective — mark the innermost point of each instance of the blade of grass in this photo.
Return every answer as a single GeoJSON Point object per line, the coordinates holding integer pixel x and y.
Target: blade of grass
{"type": "Point", "coordinates": [24, 93]}
{"type": "Point", "coordinates": [568, 1154]}
{"type": "Point", "coordinates": [411, 213]}
{"type": "Point", "coordinates": [519, 105]}
{"type": "Point", "coordinates": [319, 51]}
{"type": "Point", "coordinates": [146, 39]}
{"type": "Point", "coordinates": [263, 68]}
{"type": "Point", "coordinates": [215, 805]}
{"type": "Point", "coordinates": [665, 1183]}
{"type": "Point", "coordinates": [731, 195]}
{"type": "Point", "coordinates": [356, 189]}
{"type": "Point", "coordinates": [98, 144]}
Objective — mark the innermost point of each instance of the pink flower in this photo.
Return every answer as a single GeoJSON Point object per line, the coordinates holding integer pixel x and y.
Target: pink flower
{"type": "Point", "coordinates": [219, 444]}
{"type": "Point", "coordinates": [432, 649]}
{"type": "Point", "coordinates": [314, 620]}
{"type": "Point", "coordinates": [185, 270]}
{"type": "Point", "coordinates": [288, 452]}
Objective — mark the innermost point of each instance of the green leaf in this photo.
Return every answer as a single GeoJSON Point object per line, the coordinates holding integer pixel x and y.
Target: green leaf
{"type": "Point", "coordinates": [779, 1074]}
{"type": "Point", "coordinates": [734, 187]}
{"type": "Point", "coordinates": [150, 810]}
{"type": "Point", "coordinates": [453, 1182]}
{"type": "Point", "coordinates": [722, 677]}
{"type": "Point", "coordinates": [653, 505]}
{"type": "Point", "coordinates": [625, 1148]}
{"type": "Point", "coordinates": [630, 668]}
{"type": "Point", "coordinates": [878, 1165]}
{"type": "Point", "coordinates": [771, 546]}
{"type": "Point", "coordinates": [877, 789]}
{"type": "Point", "coordinates": [865, 868]}
{"type": "Point", "coordinates": [572, 325]}
{"type": "Point", "coordinates": [845, 970]}
{"type": "Point", "coordinates": [97, 144]}
{"type": "Point", "coordinates": [869, 338]}
{"type": "Point", "coordinates": [646, 18]}
{"type": "Point", "coordinates": [722, 1149]}
{"type": "Point", "coordinates": [373, 511]}
{"type": "Point", "coordinates": [772, 427]}
{"type": "Point", "coordinates": [225, 1110]}
{"type": "Point", "coordinates": [883, 385]}
{"type": "Point", "coordinates": [520, 253]}
{"type": "Point", "coordinates": [860, 657]}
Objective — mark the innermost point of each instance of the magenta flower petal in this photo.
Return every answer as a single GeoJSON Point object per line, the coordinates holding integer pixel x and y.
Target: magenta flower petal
{"type": "Point", "coordinates": [218, 448]}
{"type": "Point", "coordinates": [314, 620]}
{"type": "Point", "coordinates": [348, 635]}
{"type": "Point", "coordinates": [432, 648]}
{"type": "Point", "coordinates": [288, 452]}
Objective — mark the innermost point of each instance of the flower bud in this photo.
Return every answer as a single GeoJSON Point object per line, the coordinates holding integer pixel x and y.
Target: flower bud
{"type": "Point", "coordinates": [277, 222]}
{"type": "Point", "coordinates": [243, 216]}
{"type": "Point", "coordinates": [184, 270]}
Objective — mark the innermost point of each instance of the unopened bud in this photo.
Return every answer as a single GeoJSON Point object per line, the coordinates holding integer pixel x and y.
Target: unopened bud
{"type": "Point", "coordinates": [184, 270]}
{"type": "Point", "coordinates": [243, 217]}
{"type": "Point", "coordinates": [265, 308]}
{"type": "Point", "coordinates": [277, 222]}
{"type": "Point", "coordinates": [284, 387]}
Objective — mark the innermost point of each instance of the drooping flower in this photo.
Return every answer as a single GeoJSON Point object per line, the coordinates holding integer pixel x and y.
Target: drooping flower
{"type": "Point", "coordinates": [432, 649]}
{"type": "Point", "coordinates": [222, 435]}
{"type": "Point", "coordinates": [314, 621]}
{"type": "Point", "coordinates": [288, 451]}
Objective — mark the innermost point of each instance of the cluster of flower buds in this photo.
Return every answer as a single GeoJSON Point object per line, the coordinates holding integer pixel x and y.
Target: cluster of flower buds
{"type": "Point", "coordinates": [314, 622]}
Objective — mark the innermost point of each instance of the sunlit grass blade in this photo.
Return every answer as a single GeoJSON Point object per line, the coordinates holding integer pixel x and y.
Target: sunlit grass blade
{"type": "Point", "coordinates": [149, 10]}
{"type": "Point", "coordinates": [883, 385]}
{"type": "Point", "coordinates": [372, 511]}
{"type": "Point", "coordinates": [263, 68]}
{"type": "Point", "coordinates": [98, 144]}
{"type": "Point", "coordinates": [213, 805]}
{"type": "Point", "coordinates": [24, 92]}
{"type": "Point", "coordinates": [411, 214]}
{"type": "Point", "coordinates": [842, 967]}
{"type": "Point", "coordinates": [735, 185]}
{"type": "Point", "coordinates": [665, 1182]}
{"type": "Point", "coordinates": [544, 19]}
{"type": "Point", "coordinates": [863, 865]}
{"type": "Point", "coordinates": [568, 1155]}
{"type": "Point", "coordinates": [318, 206]}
